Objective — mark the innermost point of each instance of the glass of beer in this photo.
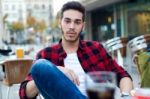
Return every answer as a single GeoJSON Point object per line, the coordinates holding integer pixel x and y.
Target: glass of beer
{"type": "Point", "coordinates": [100, 85]}
{"type": "Point", "coordinates": [19, 52]}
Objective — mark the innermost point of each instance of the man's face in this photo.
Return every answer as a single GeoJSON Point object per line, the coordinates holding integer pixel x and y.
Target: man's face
{"type": "Point", "coordinates": [71, 25]}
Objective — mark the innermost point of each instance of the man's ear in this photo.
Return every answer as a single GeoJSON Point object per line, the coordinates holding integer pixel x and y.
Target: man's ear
{"type": "Point", "coordinates": [59, 23]}
{"type": "Point", "coordinates": [84, 24]}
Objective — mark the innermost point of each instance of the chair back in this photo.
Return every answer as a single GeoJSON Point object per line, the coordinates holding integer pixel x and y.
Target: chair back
{"type": "Point", "coordinates": [16, 70]}
{"type": "Point", "coordinates": [138, 43]}
{"type": "Point", "coordinates": [117, 43]}
{"type": "Point", "coordinates": [117, 48]}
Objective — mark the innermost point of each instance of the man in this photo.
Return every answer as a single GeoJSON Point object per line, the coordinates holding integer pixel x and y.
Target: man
{"type": "Point", "coordinates": [58, 71]}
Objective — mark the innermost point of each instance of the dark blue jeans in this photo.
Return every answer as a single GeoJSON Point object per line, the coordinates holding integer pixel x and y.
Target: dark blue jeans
{"type": "Point", "coordinates": [52, 83]}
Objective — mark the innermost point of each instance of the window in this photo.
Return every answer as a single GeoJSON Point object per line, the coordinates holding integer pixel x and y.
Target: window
{"type": "Point", "coordinates": [13, 7]}
{"type": "Point", "coordinates": [36, 6]}
{"type": "Point", "coordinates": [43, 6]}
{"type": "Point", "coordinates": [6, 7]}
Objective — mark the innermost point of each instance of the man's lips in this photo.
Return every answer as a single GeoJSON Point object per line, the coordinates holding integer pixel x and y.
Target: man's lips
{"type": "Point", "coordinates": [71, 33]}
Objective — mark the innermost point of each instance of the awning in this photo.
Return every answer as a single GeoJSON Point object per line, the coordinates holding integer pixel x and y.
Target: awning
{"type": "Point", "coordinates": [94, 4]}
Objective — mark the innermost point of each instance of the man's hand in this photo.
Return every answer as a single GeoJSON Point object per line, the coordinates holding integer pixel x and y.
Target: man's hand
{"type": "Point", "coordinates": [70, 74]}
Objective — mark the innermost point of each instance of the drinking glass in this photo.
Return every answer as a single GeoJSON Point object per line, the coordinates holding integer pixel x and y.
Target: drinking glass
{"type": "Point", "coordinates": [100, 85]}
{"type": "Point", "coordinates": [19, 52]}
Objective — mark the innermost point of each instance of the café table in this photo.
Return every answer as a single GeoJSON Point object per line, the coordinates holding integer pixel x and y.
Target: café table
{"type": "Point", "coordinates": [1, 75]}
{"type": "Point", "coordinates": [3, 59]}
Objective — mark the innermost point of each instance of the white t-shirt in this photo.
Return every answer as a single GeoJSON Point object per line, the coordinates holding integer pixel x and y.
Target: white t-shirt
{"type": "Point", "coordinates": [72, 62]}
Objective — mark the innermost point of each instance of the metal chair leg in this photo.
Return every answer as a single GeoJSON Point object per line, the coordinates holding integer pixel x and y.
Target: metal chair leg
{"type": "Point", "coordinates": [8, 93]}
{"type": "Point", "coordinates": [0, 91]}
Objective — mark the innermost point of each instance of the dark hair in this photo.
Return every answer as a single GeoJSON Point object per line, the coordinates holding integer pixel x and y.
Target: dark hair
{"type": "Point", "coordinates": [74, 5]}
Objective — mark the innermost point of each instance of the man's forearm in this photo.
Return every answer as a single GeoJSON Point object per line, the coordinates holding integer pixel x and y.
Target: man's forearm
{"type": "Point", "coordinates": [126, 84]}
{"type": "Point", "coordinates": [31, 89]}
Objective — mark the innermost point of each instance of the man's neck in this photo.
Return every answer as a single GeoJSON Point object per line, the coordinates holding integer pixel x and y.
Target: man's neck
{"type": "Point", "coordinates": [70, 47]}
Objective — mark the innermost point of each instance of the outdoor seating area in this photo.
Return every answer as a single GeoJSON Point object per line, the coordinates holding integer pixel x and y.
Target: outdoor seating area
{"type": "Point", "coordinates": [62, 37]}
{"type": "Point", "coordinates": [118, 48]}
{"type": "Point", "coordinates": [126, 52]}
{"type": "Point", "coordinates": [13, 69]}
{"type": "Point", "coordinates": [15, 72]}
{"type": "Point", "coordinates": [131, 54]}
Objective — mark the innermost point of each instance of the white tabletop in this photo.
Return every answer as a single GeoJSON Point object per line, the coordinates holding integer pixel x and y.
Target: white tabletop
{"type": "Point", "coordinates": [12, 57]}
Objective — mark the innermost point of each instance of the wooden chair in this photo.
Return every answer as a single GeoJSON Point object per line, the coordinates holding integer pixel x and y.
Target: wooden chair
{"type": "Point", "coordinates": [16, 71]}
{"type": "Point", "coordinates": [117, 48]}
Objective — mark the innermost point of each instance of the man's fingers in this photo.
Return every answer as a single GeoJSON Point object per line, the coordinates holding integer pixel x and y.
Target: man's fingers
{"type": "Point", "coordinates": [70, 74]}
{"type": "Point", "coordinates": [74, 77]}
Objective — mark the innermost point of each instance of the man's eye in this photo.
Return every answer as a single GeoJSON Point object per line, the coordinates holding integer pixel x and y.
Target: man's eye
{"type": "Point", "coordinates": [67, 21]}
{"type": "Point", "coordinates": [78, 22]}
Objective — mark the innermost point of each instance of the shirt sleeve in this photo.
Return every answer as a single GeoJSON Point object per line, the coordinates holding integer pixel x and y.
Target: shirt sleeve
{"type": "Point", "coordinates": [22, 90]}
{"type": "Point", "coordinates": [112, 65]}
{"type": "Point", "coordinates": [120, 72]}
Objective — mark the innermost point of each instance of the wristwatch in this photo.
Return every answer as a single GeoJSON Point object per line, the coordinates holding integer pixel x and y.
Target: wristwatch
{"type": "Point", "coordinates": [125, 94]}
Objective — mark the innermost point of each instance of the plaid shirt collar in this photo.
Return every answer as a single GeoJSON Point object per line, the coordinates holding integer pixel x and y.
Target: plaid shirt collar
{"type": "Point", "coordinates": [61, 51]}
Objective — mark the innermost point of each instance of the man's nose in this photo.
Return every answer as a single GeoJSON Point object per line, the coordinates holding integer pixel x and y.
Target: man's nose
{"type": "Point", "coordinates": [72, 25]}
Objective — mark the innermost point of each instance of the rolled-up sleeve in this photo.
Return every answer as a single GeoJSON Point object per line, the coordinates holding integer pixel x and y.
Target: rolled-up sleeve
{"type": "Point", "coordinates": [22, 90]}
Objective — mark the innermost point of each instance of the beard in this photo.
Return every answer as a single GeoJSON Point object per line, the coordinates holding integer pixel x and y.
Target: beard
{"type": "Point", "coordinates": [70, 39]}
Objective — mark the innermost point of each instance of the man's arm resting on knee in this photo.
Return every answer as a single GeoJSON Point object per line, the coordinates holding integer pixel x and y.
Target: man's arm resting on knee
{"type": "Point", "coordinates": [31, 89]}
{"type": "Point", "coordinates": [126, 85]}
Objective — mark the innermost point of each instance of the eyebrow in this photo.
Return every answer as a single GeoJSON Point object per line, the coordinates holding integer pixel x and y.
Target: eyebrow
{"type": "Point", "coordinates": [75, 19]}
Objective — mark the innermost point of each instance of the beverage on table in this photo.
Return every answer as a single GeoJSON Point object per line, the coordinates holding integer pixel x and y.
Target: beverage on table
{"type": "Point", "coordinates": [100, 85]}
{"type": "Point", "coordinates": [19, 52]}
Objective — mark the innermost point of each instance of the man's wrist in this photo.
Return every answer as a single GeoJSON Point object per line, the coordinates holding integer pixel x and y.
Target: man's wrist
{"type": "Point", "coordinates": [125, 94]}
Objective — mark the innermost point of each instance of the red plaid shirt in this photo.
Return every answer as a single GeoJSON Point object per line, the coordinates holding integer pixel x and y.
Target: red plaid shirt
{"type": "Point", "coordinates": [92, 57]}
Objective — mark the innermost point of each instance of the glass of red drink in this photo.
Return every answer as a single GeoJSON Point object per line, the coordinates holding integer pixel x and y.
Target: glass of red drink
{"type": "Point", "coordinates": [100, 85]}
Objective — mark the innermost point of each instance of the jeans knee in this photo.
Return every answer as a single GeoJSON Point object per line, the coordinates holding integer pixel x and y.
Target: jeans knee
{"type": "Point", "coordinates": [40, 64]}
{"type": "Point", "coordinates": [42, 69]}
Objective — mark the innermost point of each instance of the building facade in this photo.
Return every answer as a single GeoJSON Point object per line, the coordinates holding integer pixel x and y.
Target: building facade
{"type": "Point", "coordinates": [14, 12]}
{"type": "Point", "coordinates": [17, 10]}
{"type": "Point", "coordinates": [124, 18]}
{"type": "Point", "coordinates": [40, 9]}
{"type": "Point", "coordinates": [14, 9]}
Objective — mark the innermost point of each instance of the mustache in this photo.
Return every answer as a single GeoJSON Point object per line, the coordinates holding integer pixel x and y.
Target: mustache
{"type": "Point", "coordinates": [71, 30]}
